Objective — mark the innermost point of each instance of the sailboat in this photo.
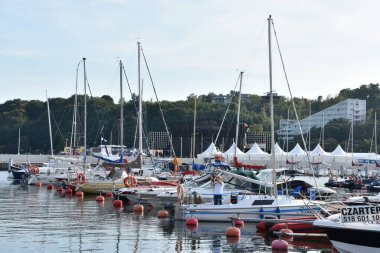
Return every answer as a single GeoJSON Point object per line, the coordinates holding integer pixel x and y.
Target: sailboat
{"type": "Point", "coordinates": [255, 206]}
{"type": "Point", "coordinates": [58, 168]}
{"type": "Point", "coordinates": [113, 166]}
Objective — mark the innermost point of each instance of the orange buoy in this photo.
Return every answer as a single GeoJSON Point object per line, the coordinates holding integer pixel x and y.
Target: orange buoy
{"type": "Point", "coordinates": [138, 212]}
{"type": "Point", "coordinates": [109, 194]}
{"type": "Point", "coordinates": [192, 221]}
{"type": "Point", "coordinates": [233, 239]}
{"type": "Point", "coordinates": [38, 184]}
{"type": "Point", "coordinates": [286, 231]}
{"type": "Point", "coordinates": [138, 207]}
{"type": "Point", "coordinates": [99, 198]}
{"type": "Point", "coordinates": [280, 245]}
{"type": "Point", "coordinates": [239, 223]}
{"type": "Point", "coordinates": [79, 194]}
{"type": "Point", "coordinates": [233, 232]}
{"type": "Point", "coordinates": [69, 191]}
{"type": "Point", "coordinates": [50, 187]}
{"type": "Point", "coordinates": [162, 214]}
{"type": "Point", "coordinates": [118, 203]}
{"type": "Point", "coordinates": [60, 189]}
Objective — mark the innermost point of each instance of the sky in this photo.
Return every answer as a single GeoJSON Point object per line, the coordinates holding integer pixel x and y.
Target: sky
{"type": "Point", "coordinates": [191, 46]}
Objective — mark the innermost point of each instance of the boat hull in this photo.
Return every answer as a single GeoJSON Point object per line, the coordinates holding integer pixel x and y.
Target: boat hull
{"type": "Point", "coordinates": [251, 208]}
{"type": "Point", "coordinates": [352, 237]}
{"type": "Point", "coordinates": [100, 186]}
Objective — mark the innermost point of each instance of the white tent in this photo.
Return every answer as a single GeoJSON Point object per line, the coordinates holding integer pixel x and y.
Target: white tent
{"type": "Point", "coordinates": [296, 154]}
{"type": "Point", "coordinates": [209, 152]}
{"type": "Point", "coordinates": [318, 155]}
{"type": "Point", "coordinates": [230, 153]}
{"type": "Point", "coordinates": [255, 153]}
{"type": "Point", "coordinates": [280, 154]}
{"type": "Point", "coordinates": [340, 156]}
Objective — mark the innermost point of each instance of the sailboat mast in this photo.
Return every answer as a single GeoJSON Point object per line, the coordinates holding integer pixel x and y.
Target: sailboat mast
{"type": "Point", "coordinates": [238, 114]}
{"type": "Point", "coordinates": [140, 104]}
{"type": "Point", "coordinates": [121, 110]}
{"type": "Point", "coordinates": [323, 131]}
{"type": "Point", "coordinates": [375, 135]}
{"type": "Point", "coordinates": [271, 107]}
{"type": "Point", "coordinates": [194, 128]}
{"type": "Point", "coordinates": [352, 130]}
{"type": "Point", "coordinates": [85, 114]}
{"type": "Point", "coordinates": [50, 135]}
{"type": "Point", "coordinates": [73, 141]}
{"type": "Point", "coordinates": [18, 147]}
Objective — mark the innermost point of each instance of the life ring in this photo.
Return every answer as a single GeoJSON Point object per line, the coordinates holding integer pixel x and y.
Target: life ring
{"type": "Point", "coordinates": [130, 181]}
{"type": "Point", "coordinates": [180, 193]}
{"type": "Point", "coordinates": [36, 170]}
{"type": "Point", "coordinates": [81, 178]}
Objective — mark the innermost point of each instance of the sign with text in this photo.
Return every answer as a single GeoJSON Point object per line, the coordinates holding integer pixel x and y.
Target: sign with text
{"type": "Point", "coordinates": [360, 214]}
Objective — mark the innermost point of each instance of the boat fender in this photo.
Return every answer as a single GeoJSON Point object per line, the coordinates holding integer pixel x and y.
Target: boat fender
{"type": "Point", "coordinates": [180, 193]}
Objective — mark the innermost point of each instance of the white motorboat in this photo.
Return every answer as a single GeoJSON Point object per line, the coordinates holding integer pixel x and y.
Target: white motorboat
{"type": "Point", "coordinates": [252, 207]}
{"type": "Point", "coordinates": [354, 230]}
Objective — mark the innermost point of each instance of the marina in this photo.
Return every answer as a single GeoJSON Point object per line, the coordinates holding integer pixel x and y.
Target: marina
{"type": "Point", "coordinates": [157, 164]}
{"type": "Point", "coordinates": [37, 219]}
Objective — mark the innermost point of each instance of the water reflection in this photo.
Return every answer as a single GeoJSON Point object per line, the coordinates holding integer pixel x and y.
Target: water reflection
{"type": "Point", "coordinates": [35, 219]}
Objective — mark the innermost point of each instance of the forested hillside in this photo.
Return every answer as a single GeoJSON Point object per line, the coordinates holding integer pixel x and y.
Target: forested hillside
{"type": "Point", "coordinates": [31, 118]}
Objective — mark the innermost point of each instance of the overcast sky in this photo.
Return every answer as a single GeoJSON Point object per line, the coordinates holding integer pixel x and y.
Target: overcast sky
{"type": "Point", "coordinates": [191, 46]}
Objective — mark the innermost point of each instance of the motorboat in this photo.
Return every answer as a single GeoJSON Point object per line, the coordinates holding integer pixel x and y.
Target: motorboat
{"type": "Point", "coordinates": [252, 207]}
{"type": "Point", "coordinates": [354, 229]}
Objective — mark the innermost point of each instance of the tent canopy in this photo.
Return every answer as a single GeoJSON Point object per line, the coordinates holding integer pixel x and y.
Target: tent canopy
{"type": "Point", "coordinates": [230, 153]}
{"type": "Point", "coordinates": [209, 152]}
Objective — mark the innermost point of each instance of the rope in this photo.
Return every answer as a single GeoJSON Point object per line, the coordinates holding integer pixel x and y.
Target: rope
{"type": "Point", "coordinates": [136, 109]}
{"type": "Point", "coordinates": [158, 102]}
{"type": "Point", "coordinates": [225, 114]}
{"type": "Point", "coordinates": [294, 106]}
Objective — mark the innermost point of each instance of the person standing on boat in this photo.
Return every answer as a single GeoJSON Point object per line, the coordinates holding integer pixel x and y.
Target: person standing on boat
{"type": "Point", "coordinates": [218, 190]}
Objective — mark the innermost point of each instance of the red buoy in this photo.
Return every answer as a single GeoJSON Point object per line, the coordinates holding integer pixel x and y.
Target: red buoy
{"type": "Point", "coordinates": [192, 227]}
{"type": "Point", "coordinates": [39, 184]}
{"type": "Point", "coordinates": [239, 223]}
{"type": "Point", "coordinates": [162, 214]}
{"type": "Point", "coordinates": [79, 194]}
{"type": "Point", "coordinates": [50, 187]}
{"type": "Point", "coordinates": [99, 198]}
{"type": "Point", "coordinates": [69, 191]}
{"type": "Point", "coordinates": [60, 189]}
{"type": "Point", "coordinates": [118, 203]}
{"type": "Point", "coordinates": [280, 245]}
{"type": "Point", "coordinates": [109, 194]}
{"type": "Point", "coordinates": [138, 208]}
{"type": "Point", "coordinates": [192, 221]}
{"type": "Point", "coordinates": [233, 232]}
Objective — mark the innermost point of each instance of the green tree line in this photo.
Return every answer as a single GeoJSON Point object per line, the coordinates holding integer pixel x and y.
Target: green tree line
{"type": "Point", "coordinates": [103, 120]}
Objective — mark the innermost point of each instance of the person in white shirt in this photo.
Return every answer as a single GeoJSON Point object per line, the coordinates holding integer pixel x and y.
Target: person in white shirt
{"type": "Point", "coordinates": [218, 190]}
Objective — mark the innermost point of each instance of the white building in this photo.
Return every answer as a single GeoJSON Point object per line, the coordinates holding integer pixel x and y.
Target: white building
{"type": "Point", "coordinates": [350, 109]}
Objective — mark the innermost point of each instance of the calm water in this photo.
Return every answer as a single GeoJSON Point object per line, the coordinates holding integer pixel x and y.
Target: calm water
{"type": "Point", "coordinates": [34, 219]}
